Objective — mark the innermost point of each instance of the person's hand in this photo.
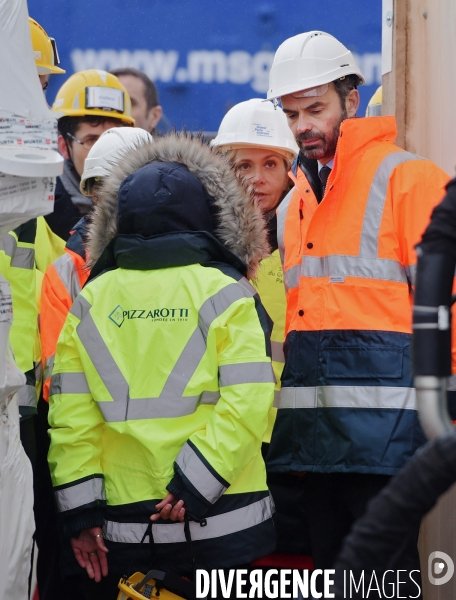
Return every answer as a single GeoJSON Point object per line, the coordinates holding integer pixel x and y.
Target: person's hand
{"type": "Point", "coordinates": [169, 508]}
{"type": "Point", "coordinates": [90, 552]}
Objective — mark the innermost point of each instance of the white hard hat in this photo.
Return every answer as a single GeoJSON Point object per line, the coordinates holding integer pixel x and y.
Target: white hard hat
{"type": "Point", "coordinates": [256, 122]}
{"type": "Point", "coordinates": [105, 150]}
{"type": "Point", "coordinates": [309, 60]}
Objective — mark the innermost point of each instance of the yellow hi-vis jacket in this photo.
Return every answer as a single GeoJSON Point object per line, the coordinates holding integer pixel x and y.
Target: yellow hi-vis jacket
{"type": "Point", "coordinates": [49, 246]}
{"type": "Point", "coordinates": [162, 381]}
{"type": "Point", "coordinates": [270, 287]}
{"type": "Point", "coordinates": [17, 265]}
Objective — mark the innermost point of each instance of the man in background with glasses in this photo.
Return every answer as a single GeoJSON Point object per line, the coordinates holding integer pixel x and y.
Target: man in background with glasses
{"type": "Point", "coordinates": [87, 104]}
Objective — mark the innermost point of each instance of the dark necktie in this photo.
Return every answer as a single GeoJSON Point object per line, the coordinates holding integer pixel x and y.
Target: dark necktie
{"type": "Point", "coordinates": [324, 174]}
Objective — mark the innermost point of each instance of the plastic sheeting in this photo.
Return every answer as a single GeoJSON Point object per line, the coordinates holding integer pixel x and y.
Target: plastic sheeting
{"type": "Point", "coordinates": [16, 480]}
{"type": "Point", "coordinates": [28, 165]}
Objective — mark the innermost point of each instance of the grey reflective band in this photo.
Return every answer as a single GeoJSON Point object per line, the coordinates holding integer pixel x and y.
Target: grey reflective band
{"type": "Point", "coordinates": [8, 244]}
{"type": "Point", "coordinates": [277, 352]}
{"type": "Point", "coordinates": [38, 370]}
{"type": "Point", "coordinates": [217, 304]}
{"type": "Point", "coordinates": [26, 396]}
{"type": "Point", "coordinates": [199, 475]}
{"type": "Point", "coordinates": [353, 266]}
{"type": "Point", "coordinates": [173, 533]}
{"type": "Point", "coordinates": [48, 367]}
{"type": "Point", "coordinates": [291, 277]}
{"type": "Point", "coordinates": [253, 372]}
{"type": "Point", "coordinates": [69, 383]}
{"type": "Point", "coordinates": [154, 408]}
{"type": "Point", "coordinates": [80, 307]}
{"type": "Point", "coordinates": [80, 494]}
{"type": "Point", "coordinates": [185, 366]}
{"type": "Point", "coordinates": [248, 287]}
{"type": "Point", "coordinates": [171, 402]}
{"type": "Point", "coordinates": [276, 402]}
{"type": "Point", "coordinates": [376, 202]}
{"type": "Point", "coordinates": [96, 348]}
{"type": "Point", "coordinates": [451, 385]}
{"type": "Point", "coordinates": [23, 258]}
{"type": "Point", "coordinates": [67, 272]}
{"type": "Point", "coordinates": [411, 273]}
{"type": "Point", "coordinates": [366, 264]}
{"type": "Point", "coordinates": [370, 397]}
{"type": "Point", "coordinates": [281, 217]}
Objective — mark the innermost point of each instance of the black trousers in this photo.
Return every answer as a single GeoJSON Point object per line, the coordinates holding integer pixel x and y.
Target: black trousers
{"type": "Point", "coordinates": [290, 517]}
{"type": "Point", "coordinates": [334, 502]}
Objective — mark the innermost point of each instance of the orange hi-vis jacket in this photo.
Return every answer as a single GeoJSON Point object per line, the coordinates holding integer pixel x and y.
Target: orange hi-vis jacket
{"type": "Point", "coordinates": [347, 402]}
{"type": "Point", "coordinates": [62, 282]}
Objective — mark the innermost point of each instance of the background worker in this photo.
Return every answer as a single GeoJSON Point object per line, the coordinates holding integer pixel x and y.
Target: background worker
{"type": "Point", "coordinates": [145, 107]}
{"type": "Point", "coordinates": [45, 53]}
{"type": "Point", "coordinates": [62, 282]}
{"type": "Point", "coordinates": [88, 103]}
{"type": "Point", "coordinates": [65, 278]}
{"type": "Point", "coordinates": [258, 142]}
{"type": "Point", "coordinates": [347, 412]}
{"type": "Point", "coordinates": [168, 408]}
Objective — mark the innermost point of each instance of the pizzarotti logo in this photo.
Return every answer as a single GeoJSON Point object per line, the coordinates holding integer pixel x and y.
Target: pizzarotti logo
{"type": "Point", "coordinates": [118, 316]}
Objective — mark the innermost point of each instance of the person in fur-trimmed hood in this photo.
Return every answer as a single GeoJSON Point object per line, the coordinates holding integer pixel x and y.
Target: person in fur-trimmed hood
{"type": "Point", "coordinates": [163, 380]}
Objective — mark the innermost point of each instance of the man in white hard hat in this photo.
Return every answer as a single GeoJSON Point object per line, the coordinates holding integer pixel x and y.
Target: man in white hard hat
{"type": "Point", "coordinates": [347, 414]}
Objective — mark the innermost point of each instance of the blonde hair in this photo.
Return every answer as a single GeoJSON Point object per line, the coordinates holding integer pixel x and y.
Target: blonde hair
{"type": "Point", "coordinates": [231, 156]}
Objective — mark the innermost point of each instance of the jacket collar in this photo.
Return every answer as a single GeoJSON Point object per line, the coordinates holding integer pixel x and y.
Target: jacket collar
{"type": "Point", "coordinates": [77, 239]}
{"type": "Point", "coordinates": [355, 135]}
{"type": "Point", "coordinates": [177, 249]}
{"type": "Point", "coordinates": [359, 133]}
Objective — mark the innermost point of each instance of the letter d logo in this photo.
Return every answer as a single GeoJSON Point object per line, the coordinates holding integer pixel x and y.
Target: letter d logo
{"type": "Point", "coordinates": [437, 564]}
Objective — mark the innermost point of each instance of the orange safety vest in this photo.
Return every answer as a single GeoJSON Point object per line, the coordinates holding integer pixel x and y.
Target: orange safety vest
{"type": "Point", "coordinates": [347, 402]}
{"type": "Point", "coordinates": [62, 282]}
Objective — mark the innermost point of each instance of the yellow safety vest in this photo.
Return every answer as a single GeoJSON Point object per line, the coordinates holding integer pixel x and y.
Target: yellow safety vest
{"type": "Point", "coordinates": [270, 287]}
{"type": "Point", "coordinates": [49, 246]}
{"type": "Point", "coordinates": [17, 265]}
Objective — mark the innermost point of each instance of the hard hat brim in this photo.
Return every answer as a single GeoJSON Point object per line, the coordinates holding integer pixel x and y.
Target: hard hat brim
{"type": "Point", "coordinates": [80, 112]}
{"type": "Point", "coordinates": [49, 70]}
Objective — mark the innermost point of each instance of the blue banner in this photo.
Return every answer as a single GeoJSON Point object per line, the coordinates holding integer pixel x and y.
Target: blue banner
{"type": "Point", "coordinates": [204, 55]}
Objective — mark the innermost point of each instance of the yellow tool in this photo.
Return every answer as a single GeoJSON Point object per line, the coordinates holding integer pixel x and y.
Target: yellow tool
{"type": "Point", "coordinates": [140, 587]}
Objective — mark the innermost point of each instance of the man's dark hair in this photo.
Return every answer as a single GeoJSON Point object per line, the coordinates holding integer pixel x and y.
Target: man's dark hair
{"type": "Point", "coordinates": [345, 85]}
{"type": "Point", "coordinates": [70, 125]}
{"type": "Point", "coordinates": [150, 88]}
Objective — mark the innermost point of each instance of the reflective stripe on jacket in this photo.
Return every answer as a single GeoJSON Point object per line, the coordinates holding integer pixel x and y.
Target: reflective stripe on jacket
{"type": "Point", "coordinates": [62, 283]}
{"type": "Point", "coordinates": [347, 401]}
{"type": "Point", "coordinates": [17, 265]}
{"type": "Point", "coordinates": [270, 287]}
{"type": "Point", "coordinates": [162, 380]}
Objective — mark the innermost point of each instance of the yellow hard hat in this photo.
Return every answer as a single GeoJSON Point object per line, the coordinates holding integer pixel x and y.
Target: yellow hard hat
{"type": "Point", "coordinates": [93, 93]}
{"type": "Point", "coordinates": [374, 108]}
{"type": "Point", "coordinates": [44, 49]}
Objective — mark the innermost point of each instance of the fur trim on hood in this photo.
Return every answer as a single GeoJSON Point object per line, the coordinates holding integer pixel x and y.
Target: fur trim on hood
{"type": "Point", "coordinates": [240, 226]}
